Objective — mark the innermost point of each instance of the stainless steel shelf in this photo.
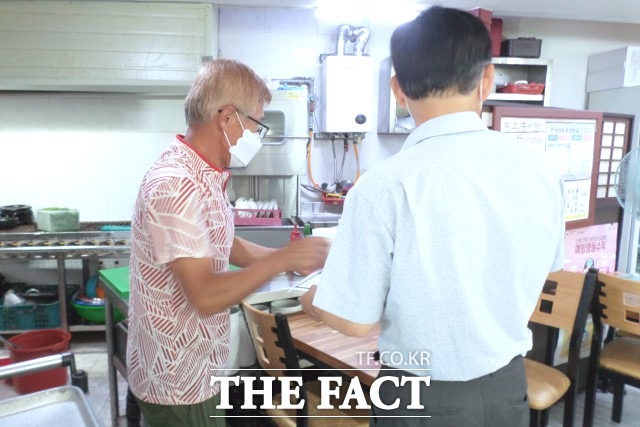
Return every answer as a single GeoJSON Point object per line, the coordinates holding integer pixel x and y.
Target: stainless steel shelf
{"type": "Point", "coordinates": [86, 328]}
{"type": "Point", "coordinates": [26, 243]}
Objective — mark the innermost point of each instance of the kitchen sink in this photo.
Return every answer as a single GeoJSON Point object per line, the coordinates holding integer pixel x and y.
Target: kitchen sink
{"type": "Point", "coordinates": [270, 236]}
{"type": "Point", "coordinates": [278, 236]}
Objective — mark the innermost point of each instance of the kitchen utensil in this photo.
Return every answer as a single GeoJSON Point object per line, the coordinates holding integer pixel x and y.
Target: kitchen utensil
{"type": "Point", "coordinates": [22, 213]}
{"type": "Point", "coordinates": [7, 222]}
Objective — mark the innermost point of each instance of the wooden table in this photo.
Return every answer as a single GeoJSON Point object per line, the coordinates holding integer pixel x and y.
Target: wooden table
{"type": "Point", "coordinates": [352, 356]}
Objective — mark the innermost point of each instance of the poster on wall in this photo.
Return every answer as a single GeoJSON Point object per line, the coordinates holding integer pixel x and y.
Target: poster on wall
{"type": "Point", "coordinates": [593, 246]}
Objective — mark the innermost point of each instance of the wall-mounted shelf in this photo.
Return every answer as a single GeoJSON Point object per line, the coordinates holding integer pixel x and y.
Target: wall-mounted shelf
{"type": "Point", "coordinates": [394, 119]}
{"type": "Point", "coordinates": [516, 97]}
{"type": "Point", "coordinates": [515, 69]}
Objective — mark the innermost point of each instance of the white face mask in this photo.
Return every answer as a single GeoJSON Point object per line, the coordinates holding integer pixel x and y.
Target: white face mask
{"type": "Point", "coordinates": [245, 149]}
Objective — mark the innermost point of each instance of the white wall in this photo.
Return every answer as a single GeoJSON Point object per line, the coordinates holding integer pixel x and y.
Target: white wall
{"type": "Point", "coordinates": [89, 151]}
{"type": "Point", "coordinates": [82, 151]}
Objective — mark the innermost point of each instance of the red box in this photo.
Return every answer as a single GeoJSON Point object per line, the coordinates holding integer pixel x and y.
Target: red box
{"type": "Point", "coordinates": [496, 36]}
{"type": "Point", "coordinates": [494, 26]}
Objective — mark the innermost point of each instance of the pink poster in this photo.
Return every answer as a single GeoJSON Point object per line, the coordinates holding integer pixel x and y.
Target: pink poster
{"type": "Point", "coordinates": [593, 246]}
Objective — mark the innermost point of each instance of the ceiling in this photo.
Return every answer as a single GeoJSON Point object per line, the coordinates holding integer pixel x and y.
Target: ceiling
{"type": "Point", "coordinates": [623, 11]}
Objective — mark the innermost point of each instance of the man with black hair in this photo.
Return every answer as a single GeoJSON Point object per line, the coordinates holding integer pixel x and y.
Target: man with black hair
{"type": "Point", "coordinates": [448, 243]}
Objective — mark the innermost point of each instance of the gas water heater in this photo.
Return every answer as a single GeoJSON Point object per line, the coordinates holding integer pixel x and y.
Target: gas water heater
{"type": "Point", "coordinates": [347, 94]}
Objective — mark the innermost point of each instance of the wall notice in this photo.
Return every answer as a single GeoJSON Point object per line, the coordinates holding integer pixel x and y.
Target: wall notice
{"type": "Point", "coordinates": [569, 143]}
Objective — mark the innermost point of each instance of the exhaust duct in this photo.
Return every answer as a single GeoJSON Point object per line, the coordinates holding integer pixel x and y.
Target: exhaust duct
{"type": "Point", "coordinates": [357, 35]}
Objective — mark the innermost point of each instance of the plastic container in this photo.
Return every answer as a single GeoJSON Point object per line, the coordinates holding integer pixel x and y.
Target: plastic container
{"type": "Point", "coordinates": [36, 344]}
{"type": "Point", "coordinates": [257, 216]}
{"type": "Point", "coordinates": [94, 313]}
{"type": "Point", "coordinates": [58, 219]}
{"type": "Point", "coordinates": [522, 88]}
{"type": "Point", "coordinates": [29, 316]}
{"type": "Point", "coordinates": [5, 361]}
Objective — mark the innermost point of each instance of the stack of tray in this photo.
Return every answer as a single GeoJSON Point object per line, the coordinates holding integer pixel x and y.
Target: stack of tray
{"type": "Point", "coordinates": [64, 406]}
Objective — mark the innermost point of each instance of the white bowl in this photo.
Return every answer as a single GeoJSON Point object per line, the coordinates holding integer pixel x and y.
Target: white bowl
{"type": "Point", "coordinates": [285, 306]}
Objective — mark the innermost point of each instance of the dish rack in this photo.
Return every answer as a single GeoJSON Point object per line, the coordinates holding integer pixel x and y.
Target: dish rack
{"type": "Point", "coordinates": [257, 216]}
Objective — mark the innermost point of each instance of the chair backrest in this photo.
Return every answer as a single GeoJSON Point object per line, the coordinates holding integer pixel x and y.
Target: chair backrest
{"type": "Point", "coordinates": [272, 340]}
{"type": "Point", "coordinates": [564, 300]}
{"type": "Point", "coordinates": [564, 303]}
{"type": "Point", "coordinates": [619, 302]}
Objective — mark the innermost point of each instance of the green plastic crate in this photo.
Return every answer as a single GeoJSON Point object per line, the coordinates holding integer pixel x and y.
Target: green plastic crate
{"type": "Point", "coordinates": [30, 316]}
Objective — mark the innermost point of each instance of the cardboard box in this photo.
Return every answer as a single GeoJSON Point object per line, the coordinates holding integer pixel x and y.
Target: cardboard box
{"type": "Point", "coordinates": [494, 26]}
{"type": "Point", "coordinates": [496, 36]}
{"type": "Point", "coordinates": [614, 69]}
{"type": "Point", "coordinates": [485, 15]}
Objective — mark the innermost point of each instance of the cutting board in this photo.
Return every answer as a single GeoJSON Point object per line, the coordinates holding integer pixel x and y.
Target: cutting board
{"type": "Point", "coordinates": [118, 279]}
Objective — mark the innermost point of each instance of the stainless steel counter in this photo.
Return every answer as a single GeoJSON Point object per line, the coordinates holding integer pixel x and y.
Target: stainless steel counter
{"type": "Point", "coordinates": [25, 241]}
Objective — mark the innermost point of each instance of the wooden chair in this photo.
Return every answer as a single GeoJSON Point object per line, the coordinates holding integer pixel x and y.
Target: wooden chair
{"type": "Point", "coordinates": [618, 306]}
{"type": "Point", "coordinates": [563, 304]}
{"type": "Point", "coordinates": [276, 355]}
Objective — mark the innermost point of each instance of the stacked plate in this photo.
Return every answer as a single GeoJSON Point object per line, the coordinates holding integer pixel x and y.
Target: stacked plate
{"type": "Point", "coordinates": [257, 209]}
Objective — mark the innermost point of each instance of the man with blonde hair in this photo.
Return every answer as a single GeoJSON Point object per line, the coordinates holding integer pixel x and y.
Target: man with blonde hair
{"type": "Point", "coordinates": [182, 241]}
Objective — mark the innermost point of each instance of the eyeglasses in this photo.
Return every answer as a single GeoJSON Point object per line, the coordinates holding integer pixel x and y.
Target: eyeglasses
{"type": "Point", "coordinates": [262, 128]}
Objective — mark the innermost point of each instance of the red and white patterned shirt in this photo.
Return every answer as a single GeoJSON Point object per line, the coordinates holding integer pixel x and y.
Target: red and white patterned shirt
{"type": "Point", "coordinates": [182, 211]}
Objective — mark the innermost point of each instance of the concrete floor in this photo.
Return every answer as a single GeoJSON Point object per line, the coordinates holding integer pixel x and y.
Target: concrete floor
{"type": "Point", "coordinates": [90, 353]}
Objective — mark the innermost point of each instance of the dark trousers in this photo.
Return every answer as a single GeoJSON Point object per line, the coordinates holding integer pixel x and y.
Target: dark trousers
{"type": "Point", "coordinates": [494, 400]}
